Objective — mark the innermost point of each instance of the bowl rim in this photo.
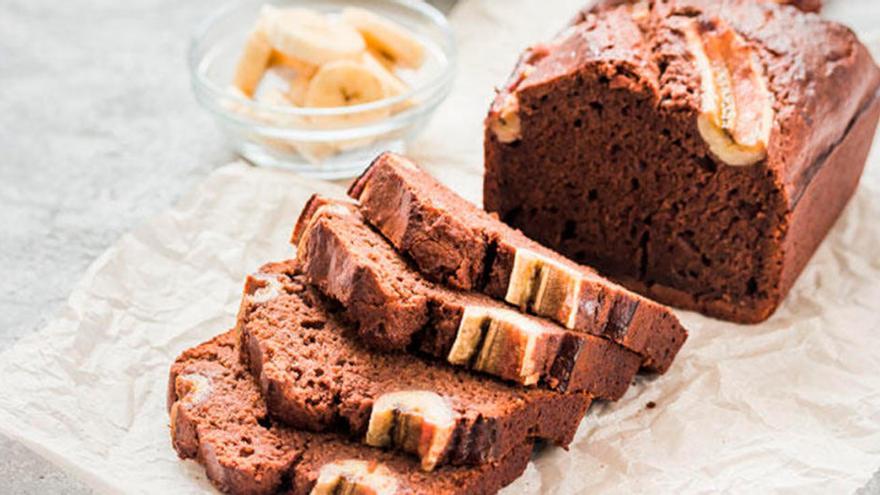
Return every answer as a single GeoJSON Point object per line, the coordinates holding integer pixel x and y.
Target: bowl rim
{"type": "Point", "coordinates": [438, 82]}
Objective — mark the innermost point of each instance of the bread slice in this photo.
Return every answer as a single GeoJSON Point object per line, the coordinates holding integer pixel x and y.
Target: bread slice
{"type": "Point", "coordinates": [316, 374]}
{"type": "Point", "coordinates": [219, 418]}
{"type": "Point", "coordinates": [396, 307]}
{"type": "Point", "coordinates": [453, 241]}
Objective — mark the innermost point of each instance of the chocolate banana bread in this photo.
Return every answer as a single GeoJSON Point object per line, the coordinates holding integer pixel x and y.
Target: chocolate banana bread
{"type": "Point", "coordinates": [350, 262]}
{"type": "Point", "coordinates": [696, 150]}
{"type": "Point", "coordinates": [219, 418]}
{"type": "Point", "coordinates": [315, 374]}
{"type": "Point", "coordinates": [453, 241]}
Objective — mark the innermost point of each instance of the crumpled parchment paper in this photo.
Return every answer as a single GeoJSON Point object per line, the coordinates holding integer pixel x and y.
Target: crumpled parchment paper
{"type": "Point", "coordinates": [789, 405]}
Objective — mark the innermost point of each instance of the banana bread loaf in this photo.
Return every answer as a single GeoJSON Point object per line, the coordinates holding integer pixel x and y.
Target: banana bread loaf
{"type": "Point", "coordinates": [698, 151]}
{"type": "Point", "coordinates": [219, 418]}
{"type": "Point", "coordinates": [452, 241]}
{"type": "Point", "coordinates": [316, 375]}
{"type": "Point", "coordinates": [350, 262]}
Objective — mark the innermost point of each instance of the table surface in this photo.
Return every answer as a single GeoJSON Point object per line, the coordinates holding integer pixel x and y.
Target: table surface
{"type": "Point", "coordinates": [100, 132]}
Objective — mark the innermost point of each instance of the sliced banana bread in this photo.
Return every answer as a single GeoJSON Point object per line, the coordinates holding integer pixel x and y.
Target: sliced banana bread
{"type": "Point", "coordinates": [453, 241]}
{"type": "Point", "coordinates": [219, 418]}
{"type": "Point", "coordinates": [352, 263]}
{"type": "Point", "coordinates": [316, 374]}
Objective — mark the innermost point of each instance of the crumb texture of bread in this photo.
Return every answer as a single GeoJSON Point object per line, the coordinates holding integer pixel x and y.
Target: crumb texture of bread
{"type": "Point", "coordinates": [353, 264]}
{"type": "Point", "coordinates": [316, 374]}
{"type": "Point", "coordinates": [218, 418]}
{"type": "Point", "coordinates": [633, 180]}
{"type": "Point", "coordinates": [454, 242]}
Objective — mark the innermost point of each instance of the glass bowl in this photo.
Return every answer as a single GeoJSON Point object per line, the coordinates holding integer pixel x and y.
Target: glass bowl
{"type": "Point", "coordinates": [329, 143]}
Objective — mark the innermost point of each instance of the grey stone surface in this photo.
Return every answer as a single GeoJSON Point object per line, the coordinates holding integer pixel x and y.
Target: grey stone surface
{"type": "Point", "coordinates": [873, 487]}
{"type": "Point", "coordinates": [98, 131]}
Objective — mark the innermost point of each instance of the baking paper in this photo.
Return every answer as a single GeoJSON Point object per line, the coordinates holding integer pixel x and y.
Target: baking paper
{"type": "Point", "coordinates": [789, 405]}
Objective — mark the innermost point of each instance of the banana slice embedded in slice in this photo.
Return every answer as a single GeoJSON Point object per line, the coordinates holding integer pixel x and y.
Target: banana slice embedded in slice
{"type": "Point", "coordinates": [309, 36]}
{"type": "Point", "coordinates": [388, 38]}
{"type": "Point", "coordinates": [344, 83]}
{"type": "Point", "coordinates": [355, 477]}
{"type": "Point", "coordinates": [737, 114]}
{"type": "Point", "coordinates": [253, 62]}
{"type": "Point", "coordinates": [416, 421]}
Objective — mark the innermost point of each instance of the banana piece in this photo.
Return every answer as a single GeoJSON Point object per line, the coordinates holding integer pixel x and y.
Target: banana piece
{"type": "Point", "coordinates": [297, 90]}
{"type": "Point", "coordinates": [232, 105]}
{"type": "Point", "coordinates": [416, 421]}
{"type": "Point", "coordinates": [382, 58]}
{"type": "Point", "coordinates": [392, 84]}
{"type": "Point", "coordinates": [736, 117]}
{"type": "Point", "coordinates": [298, 65]}
{"type": "Point", "coordinates": [275, 97]}
{"type": "Point", "coordinates": [253, 62]}
{"type": "Point", "coordinates": [355, 477]}
{"type": "Point", "coordinates": [313, 152]}
{"type": "Point", "coordinates": [344, 83]}
{"type": "Point", "coordinates": [386, 37]}
{"type": "Point", "coordinates": [298, 82]}
{"type": "Point", "coordinates": [505, 122]}
{"type": "Point", "coordinates": [309, 36]}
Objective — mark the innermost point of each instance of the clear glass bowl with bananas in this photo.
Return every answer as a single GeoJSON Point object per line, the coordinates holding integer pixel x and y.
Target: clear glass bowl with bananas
{"type": "Point", "coordinates": [322, 86]}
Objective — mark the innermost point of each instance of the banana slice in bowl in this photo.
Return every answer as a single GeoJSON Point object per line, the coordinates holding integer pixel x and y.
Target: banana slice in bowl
{"type": "Point", "coordinates": [386, 37]}
{"type": "Point", "coordinates": [310, 36]}
{"type": "Point", "coordinates": [322, 85]}
{"type": "Point", "coordinates": [344, 83]}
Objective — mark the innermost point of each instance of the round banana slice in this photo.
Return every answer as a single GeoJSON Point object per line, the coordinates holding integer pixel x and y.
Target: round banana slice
{"type": "Point", "coordinates": [309, 36]}
{"type": "Point", "coordinates": [344, 83]}
{"type": "Point", "coordinates": [386, 37]}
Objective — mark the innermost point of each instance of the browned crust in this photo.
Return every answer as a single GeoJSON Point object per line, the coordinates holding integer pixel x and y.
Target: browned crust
{"type": "Point", "coordinates": [827, 194]}
{"type": "Point", "coordinates": [598, 6]}
{"type": "Point", "coordinates": [446, 249]}
{"type": "Point", "coordinates": [387, 320]}
{"type": "Point", "coordinates": [202, 431]}
{"type": "Point", "coordinates": [315, 202]}
{"type": "Point", "coordinates": [579, 356]}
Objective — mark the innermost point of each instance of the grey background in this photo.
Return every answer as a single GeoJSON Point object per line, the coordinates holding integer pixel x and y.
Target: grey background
{"type": "Point", "coordinates": [98, 132]}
